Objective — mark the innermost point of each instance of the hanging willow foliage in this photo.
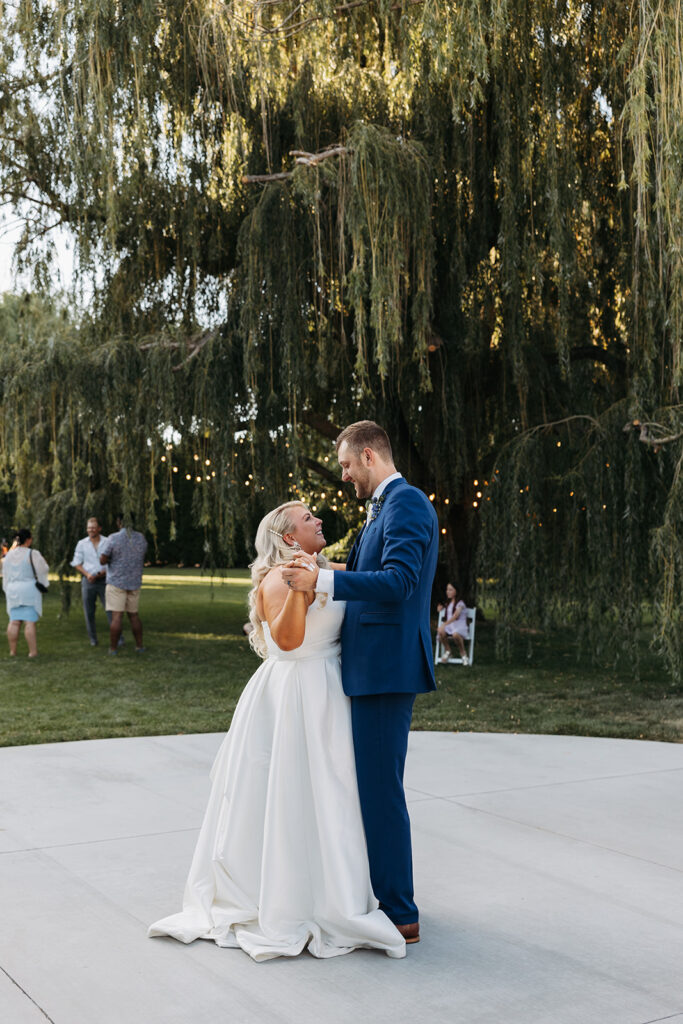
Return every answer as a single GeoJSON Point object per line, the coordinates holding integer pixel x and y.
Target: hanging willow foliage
{"type": "Point", "coordinates": [462, 219]}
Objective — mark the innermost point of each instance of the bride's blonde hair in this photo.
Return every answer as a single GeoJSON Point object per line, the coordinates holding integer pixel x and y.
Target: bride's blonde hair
{"type": "Point", "coordinates": [271, 550]}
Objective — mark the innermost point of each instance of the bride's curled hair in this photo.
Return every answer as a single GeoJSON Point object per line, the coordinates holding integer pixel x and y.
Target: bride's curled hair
{"type": "Point", "coordinates": [271, 550]}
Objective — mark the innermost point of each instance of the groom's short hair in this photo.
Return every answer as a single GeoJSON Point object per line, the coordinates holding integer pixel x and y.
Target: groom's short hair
{"type": "Point", "coordinates": [366, 434]}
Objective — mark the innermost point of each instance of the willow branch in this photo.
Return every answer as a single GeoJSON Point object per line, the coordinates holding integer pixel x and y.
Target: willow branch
{"type": "Point", "coordinates": [193, 345]}
{"type": "Point", "coordinates": [647, 436]}
{"type": "Point", "coordinates": [311, 159]}
{"type": "Point", "coordinates": [249, 178]}
{"type": "Point", "coordinates": [322, 471]}
{"type": "Point", "coordinates": [198, 346]}
{"type": "Point", "coordinates": [319, 423]}
{"type": "Point", "coordinates": [303, 158]}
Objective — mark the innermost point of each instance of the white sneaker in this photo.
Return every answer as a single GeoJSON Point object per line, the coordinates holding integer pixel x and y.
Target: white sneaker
{"type": "Point", "coordinates": [465, 660]}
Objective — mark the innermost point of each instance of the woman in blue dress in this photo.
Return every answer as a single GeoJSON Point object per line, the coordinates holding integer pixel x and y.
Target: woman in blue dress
{"type": "Point", "coordinates": [21, 568]}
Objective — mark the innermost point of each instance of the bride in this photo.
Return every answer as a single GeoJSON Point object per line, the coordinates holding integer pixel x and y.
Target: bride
{"type": "Point", "coordinates": [281, 864]}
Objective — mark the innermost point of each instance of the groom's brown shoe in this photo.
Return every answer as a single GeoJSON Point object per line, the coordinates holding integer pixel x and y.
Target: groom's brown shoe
{"type": "Point", "coordinates": [410, 932]}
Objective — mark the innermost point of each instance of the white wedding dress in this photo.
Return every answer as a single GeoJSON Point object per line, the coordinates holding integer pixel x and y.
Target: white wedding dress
{"type": "Point", "coordinates": [281, 863]}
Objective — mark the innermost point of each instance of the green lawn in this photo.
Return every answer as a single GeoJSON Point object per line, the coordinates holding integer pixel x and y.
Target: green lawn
{"type": "Point", "coordinates": [198, 660]}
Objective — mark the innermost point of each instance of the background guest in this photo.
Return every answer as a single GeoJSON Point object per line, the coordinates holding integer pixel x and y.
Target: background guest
{"type": "Point", "coordinates": [20, 569]}
{"type": "Point", "coordinates": [455, 625]}
{"type": "Point", "coordinates": [124, 554]}
{"type": "Point", "coordinates": [86, 561]}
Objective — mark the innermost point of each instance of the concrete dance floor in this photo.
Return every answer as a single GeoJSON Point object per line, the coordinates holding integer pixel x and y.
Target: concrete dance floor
{"type": "Point", "coordinates": [549, 872]}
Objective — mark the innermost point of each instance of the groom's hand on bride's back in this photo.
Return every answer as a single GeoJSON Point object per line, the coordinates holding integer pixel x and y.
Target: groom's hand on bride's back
{"type": "Point", "coordinates": [301, 573]}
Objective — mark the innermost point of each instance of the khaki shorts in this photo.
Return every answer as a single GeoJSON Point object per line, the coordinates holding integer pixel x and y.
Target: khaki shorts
{"type": "Point", "coordinates": [118, 600]}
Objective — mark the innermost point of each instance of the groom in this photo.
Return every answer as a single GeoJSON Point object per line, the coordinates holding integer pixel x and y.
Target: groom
{"type": "Point", "coordinates": [386, 650]}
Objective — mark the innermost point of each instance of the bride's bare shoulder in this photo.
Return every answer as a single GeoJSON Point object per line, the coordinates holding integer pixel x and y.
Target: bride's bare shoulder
{"type": "Point", "coordinates": [273, 581]}
{"type": "Point", "coordinates": [271, 586]}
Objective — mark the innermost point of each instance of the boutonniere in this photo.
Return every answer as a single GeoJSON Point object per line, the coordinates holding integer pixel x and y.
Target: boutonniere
{"type": "Point", "coordinates": [376, 508]}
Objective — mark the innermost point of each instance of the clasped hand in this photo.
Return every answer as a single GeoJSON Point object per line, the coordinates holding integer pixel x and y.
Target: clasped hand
{"type": "Point", "coordinates": [301, 573]}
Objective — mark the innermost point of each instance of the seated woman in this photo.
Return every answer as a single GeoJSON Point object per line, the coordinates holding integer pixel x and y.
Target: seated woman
{"type": "Point", "coordinates": [455, 625]}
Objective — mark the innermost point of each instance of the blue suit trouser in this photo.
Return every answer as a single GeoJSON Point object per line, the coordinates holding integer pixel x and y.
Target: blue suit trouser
{"type": "Point", "coordinates": [381, 723]}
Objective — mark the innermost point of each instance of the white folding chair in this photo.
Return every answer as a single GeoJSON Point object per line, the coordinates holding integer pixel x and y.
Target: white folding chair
{"type": "Point", "coordinates": [439, 650]}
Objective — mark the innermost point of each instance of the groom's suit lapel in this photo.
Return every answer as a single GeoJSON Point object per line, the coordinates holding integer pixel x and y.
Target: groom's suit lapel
{"type": "Point", "coordinates": [368, 529]}
{"type": "Point", "coordinates": [353, 553]}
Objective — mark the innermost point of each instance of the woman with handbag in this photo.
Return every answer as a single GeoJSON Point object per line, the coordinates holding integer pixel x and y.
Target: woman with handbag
{"type": "Point", "coordinates": [24, 580]}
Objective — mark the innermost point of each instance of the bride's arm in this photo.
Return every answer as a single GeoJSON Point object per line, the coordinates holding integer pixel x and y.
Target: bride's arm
{"type": "Point", "coordinates": [285, 611]}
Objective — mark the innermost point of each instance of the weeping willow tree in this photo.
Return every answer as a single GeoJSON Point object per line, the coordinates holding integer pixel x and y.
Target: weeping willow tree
{"type": "Point", "coordinates": [461, 219]}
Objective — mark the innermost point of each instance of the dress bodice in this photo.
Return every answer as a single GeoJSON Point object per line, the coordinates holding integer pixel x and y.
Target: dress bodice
{"type": "Point", "coordinates": [322, 634]}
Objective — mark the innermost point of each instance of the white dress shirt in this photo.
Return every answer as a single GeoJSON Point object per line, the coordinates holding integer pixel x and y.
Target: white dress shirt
{"type": "Point", "coordinates": [325, 583]}
{"type": "Point", "coordinates": [87, 555]}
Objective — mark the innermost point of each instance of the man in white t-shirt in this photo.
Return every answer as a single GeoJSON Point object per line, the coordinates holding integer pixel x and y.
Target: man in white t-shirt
{"type": "Point", "coordinates": [86, 561]}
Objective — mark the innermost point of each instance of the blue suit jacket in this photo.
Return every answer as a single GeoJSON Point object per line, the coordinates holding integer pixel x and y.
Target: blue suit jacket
{"type": "Point", "coordinates": [386, 640]}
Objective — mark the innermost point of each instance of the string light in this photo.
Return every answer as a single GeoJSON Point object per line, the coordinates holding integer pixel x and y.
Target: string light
{"type": "Point", "coordinates": [475, 504]}
{"type": "Point", "coordinates": [187, 476]}
{"type": "Point", "coordinates": [431, 497]}
{"type": "Point", "coordinates": [175, 469]}
{"type": "Point", "coordinates": [443, 529]}
{"type": "Point", "coordinates": [196, 458]}
{"type": "Point", "coordinates": [163, 458]}
{"type": "Point", "coordinates": [207, 462]}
